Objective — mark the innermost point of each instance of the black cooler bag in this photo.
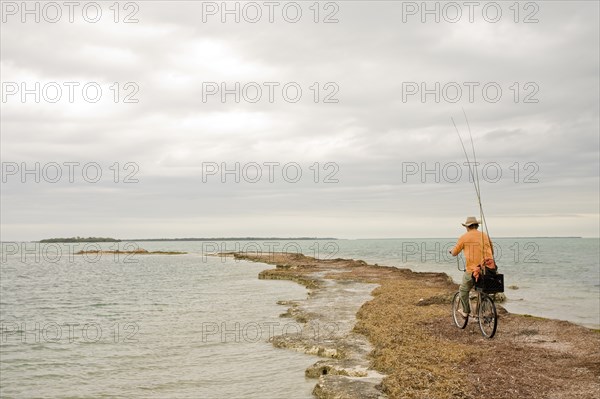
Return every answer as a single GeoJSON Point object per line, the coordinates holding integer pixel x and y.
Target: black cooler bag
{"type": "Point", "coordinates": [490, 282]}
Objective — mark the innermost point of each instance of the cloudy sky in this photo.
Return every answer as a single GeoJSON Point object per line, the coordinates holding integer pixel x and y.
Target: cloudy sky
{"type": "Point", "coordinates": [172, 119]}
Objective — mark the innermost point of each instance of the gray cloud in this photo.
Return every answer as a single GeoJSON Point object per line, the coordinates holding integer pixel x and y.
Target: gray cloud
{"type": "Point", "coordinates": [370, 133]}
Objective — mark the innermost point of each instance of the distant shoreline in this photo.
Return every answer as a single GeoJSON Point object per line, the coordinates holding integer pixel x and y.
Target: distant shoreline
{"type": "Point", "coordinates": [78, 239]}
{"type": "Point", "coordinates": [101, 239]}
{"type": "Point", "coordinates": [234, 239]}
{"type": "Point", "coordinates": [191, 239]}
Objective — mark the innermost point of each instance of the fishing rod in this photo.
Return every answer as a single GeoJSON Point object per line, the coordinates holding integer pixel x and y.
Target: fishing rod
{"type": "Point", "coordinates": [475, 178]}
{"type": "Point", "coordinates": [476, 172]}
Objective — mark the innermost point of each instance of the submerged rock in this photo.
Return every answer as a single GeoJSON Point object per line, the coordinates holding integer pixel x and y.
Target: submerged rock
{"type": "Point", "coordinates": [343, 387]}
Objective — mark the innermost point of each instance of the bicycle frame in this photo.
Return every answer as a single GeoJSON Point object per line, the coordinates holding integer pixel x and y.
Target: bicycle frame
{"type": "Point", "coordinates": [483, 310]}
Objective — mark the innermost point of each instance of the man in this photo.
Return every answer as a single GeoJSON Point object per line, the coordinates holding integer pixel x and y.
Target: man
{"type": "Point", "coordinates": [471, 242]}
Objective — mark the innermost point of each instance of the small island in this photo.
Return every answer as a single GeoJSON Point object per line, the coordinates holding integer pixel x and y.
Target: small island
{"type": "Point", "coordinates": [79, 239]}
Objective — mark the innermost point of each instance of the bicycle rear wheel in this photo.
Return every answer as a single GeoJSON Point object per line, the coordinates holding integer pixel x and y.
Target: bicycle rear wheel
{"type": "Point", "coordinates": [488, 318]}
{"type": "Point", "coordinates": [461, 322]}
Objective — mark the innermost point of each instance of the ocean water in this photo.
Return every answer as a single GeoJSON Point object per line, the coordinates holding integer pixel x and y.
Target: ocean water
{"type": "Point", "coordinates": [195, 325]}
{"type": "Point", "coordinates": [164, 326]}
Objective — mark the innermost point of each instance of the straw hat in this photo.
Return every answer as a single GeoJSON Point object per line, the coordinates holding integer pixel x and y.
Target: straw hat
{"type": "Point", "coordinates": [471, 220]}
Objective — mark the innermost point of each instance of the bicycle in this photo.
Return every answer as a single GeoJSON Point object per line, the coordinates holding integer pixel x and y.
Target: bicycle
{"type": "Point", "coordinates": [485, 310]}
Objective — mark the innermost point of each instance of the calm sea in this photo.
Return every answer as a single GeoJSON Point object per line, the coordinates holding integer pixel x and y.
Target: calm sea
{"type": "Point", "coordinates": [145, 327]}
{"type": "Point", "coordinates": [197, 326]}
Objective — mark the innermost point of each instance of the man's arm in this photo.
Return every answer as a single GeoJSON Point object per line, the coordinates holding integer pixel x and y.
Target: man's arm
{"type": "Point", "coordinates": [458, 247]}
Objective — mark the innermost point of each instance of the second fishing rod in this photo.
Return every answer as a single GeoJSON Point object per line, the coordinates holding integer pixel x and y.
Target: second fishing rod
{"type": "Point", "coordinates": [474, 174]}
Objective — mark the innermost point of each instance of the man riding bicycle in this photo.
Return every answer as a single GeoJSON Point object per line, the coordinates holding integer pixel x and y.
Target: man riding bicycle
{"type": "Point", "coordinates": [478, 251]}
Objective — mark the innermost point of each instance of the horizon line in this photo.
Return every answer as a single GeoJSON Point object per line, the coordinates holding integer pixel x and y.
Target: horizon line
{"type": "Point", "coordinates": [302, 238]}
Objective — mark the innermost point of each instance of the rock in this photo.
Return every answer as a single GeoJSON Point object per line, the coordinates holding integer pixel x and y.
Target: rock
{"type": "Point", "coordinates": [336, 367]}
{"type": "Point", "coordinates": [304, 344]}
{"type": "Point", "coordinates": [279, 274]}
{"type": "Point", "coordinates": [343, 387]}
{"type": "Point", "coordinates": [288, 303]}
{"type": "Point", "coordinates": [499, 297]}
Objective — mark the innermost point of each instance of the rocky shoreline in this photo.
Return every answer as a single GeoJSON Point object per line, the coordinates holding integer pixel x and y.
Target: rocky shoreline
{"type": "Point", "coordinates": [329, 316]}
{"type": "Point", "coordinates": [385, 332]}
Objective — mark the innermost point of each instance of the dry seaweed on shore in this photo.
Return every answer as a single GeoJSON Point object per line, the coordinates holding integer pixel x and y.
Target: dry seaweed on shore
{"type": "Point", "coordinates": [425, 356]}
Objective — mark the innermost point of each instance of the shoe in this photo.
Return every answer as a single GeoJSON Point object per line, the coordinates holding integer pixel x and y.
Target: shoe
{"type": "Point", "coordinates": [463, 314]}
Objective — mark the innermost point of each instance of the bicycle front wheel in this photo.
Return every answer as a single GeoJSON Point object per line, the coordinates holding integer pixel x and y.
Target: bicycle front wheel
{"type": "Point", "coordinates": [488, 318]}
{"type": "Point", "coordinates": [461, 322]}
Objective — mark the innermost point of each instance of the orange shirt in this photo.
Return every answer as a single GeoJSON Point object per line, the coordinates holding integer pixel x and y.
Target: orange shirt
{"type": "Point", "coordinates": [471, 242]}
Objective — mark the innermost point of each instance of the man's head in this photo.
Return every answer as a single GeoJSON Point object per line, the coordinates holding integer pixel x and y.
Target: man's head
{"type": "Point", "coordinates": [472, 223]}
